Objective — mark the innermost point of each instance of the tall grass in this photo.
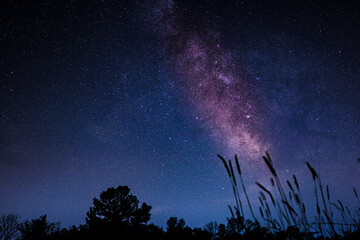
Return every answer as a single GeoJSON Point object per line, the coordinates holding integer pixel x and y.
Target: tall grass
{"type": "Point", "coordinates": [280, 209]}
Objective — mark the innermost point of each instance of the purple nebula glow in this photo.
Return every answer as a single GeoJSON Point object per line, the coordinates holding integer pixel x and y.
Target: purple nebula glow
{"type": "Point", "coordinates": [213, 82]}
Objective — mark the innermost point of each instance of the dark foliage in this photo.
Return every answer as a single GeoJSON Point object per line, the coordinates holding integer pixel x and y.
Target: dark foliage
{"type": "Point", "coordinates": [9, 226]}
{"type": "Point", "coordinates": [38, 229]}
{"type": "Point", "coordinates": [117, 215]}
{"type": "Point", "coordinates": [118, 206]}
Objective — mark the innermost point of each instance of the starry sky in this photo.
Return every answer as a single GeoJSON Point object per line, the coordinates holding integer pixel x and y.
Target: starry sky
{"type": "Point", "coordinates": [96, 94]}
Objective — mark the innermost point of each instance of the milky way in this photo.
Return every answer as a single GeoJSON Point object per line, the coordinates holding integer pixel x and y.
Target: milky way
{"type": "Point", "coordinates": [146, 93]}
{"type": "Point", "coordinates": [212, 81]}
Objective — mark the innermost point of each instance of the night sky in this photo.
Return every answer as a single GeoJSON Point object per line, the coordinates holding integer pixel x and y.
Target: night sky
{"type": "Point", "coordinates": [96, 94]}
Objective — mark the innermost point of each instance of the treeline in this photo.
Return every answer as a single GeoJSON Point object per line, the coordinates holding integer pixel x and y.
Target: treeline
{"type": "Point", "coordinates": [117, 214]}
{"type": "Point", "coordinates": [42, 229]}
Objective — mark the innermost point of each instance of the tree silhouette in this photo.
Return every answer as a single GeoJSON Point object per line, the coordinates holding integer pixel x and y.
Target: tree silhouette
{"type": "Point", "coordinates": [176, 229]}
{"type": "Point", "coordinates": [212, 228]}
{"type": "Point", "coordinates": [173, 224]}
{"type": "Point", "coordinates": [118, 206]}
{"type": "Point", "coordinates": [38, 229]}
{"type": "Point", "coordinates": [8, 226]}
